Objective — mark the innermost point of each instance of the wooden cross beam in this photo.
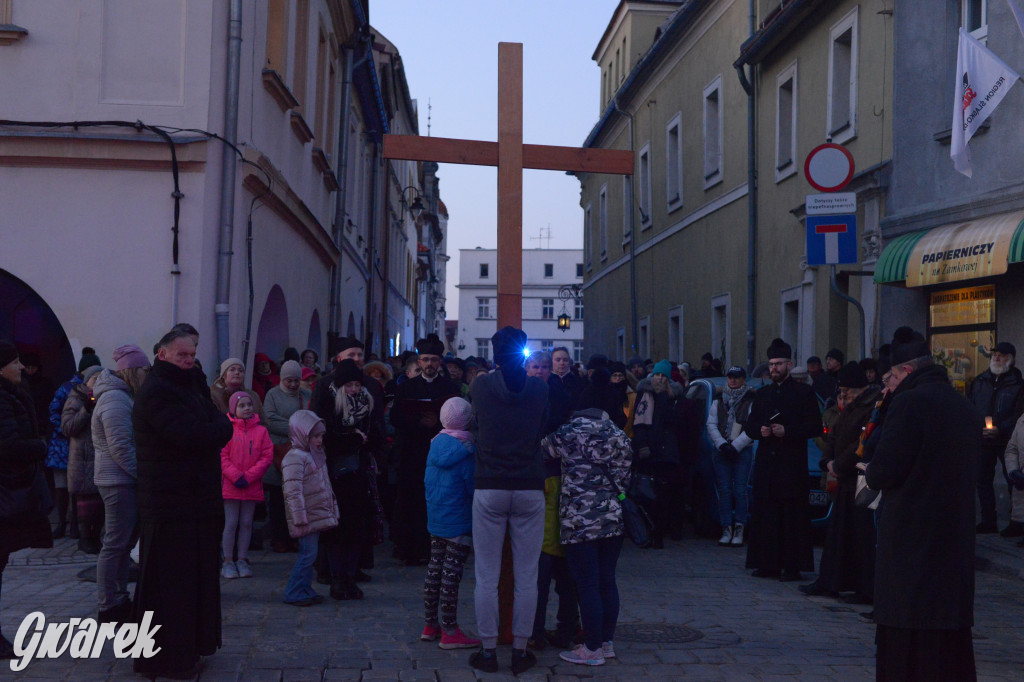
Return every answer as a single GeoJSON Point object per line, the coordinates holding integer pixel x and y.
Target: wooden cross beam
{"type": "Point", "coordinates": [511, 156]}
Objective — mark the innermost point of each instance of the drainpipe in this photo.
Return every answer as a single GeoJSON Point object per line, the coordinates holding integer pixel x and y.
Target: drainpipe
{"type": "Point", "coordinates": [749, 86]}
{"type": "Point", "coordinates": [227, 183]}
{"type": "Point", "coordinates": [632, 238]}
{"type": "Point", "coordinates": [340, 215]}
{"type": "Point", "coordinates": [372, 248]}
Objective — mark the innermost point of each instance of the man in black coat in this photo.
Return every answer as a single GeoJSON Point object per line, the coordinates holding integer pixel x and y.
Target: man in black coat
{"type": "Point", "coordinates": [179, 434]}
{"type": "Point", "coordinates": [416, 415]}
{"type": "Point", "coordinates": [561, 373]}
{"type": "Point", "coordinates": [995, 394]}
{"type": "Point", "coordinates": [924, 465]}
{"type": "Point", "coordinates": [784, 415]}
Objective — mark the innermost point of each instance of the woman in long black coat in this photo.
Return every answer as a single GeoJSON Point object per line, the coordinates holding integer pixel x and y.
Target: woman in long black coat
{"type": "Point", "coordinates": [22, 451]}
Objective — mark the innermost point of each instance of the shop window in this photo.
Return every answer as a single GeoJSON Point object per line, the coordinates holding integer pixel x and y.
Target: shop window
{"type": "Point", "coordinates": [962, 331]}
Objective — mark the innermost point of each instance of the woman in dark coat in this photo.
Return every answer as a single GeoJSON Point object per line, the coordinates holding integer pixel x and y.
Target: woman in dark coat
{"type": "Point", "coordinates": [848, 560]}
{"type": "Point", "coordinates": [22, 451]}
{"type": "Point", "coordinates": [349, 432]}
{"type": "Point", "coordinates": [179, 434]}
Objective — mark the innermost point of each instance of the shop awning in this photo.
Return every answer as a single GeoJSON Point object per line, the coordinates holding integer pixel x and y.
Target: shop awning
{"type": "Point", "coordinates": [968, 250]}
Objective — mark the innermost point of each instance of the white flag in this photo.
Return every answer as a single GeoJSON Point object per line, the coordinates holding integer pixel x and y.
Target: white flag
{"type": "Point", "coordinates": [1018, 14]}
{"type": "Point", "coordinates": [982, 81]}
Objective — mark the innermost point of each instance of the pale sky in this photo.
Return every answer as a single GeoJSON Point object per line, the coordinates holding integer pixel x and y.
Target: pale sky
{"type": "Point", "coordinates": [450, 52]}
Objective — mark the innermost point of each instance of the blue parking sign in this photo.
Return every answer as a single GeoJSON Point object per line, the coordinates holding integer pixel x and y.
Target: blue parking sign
{"type": "Point", "coordinates": [831, 239]}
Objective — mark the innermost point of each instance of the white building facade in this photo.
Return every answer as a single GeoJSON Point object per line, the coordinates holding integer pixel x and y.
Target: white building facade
{"type": "Point", "coordinates": [545, 273]}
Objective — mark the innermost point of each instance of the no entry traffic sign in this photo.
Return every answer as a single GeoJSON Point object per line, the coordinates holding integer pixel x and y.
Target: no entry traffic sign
{"type": "Point", "coordinates": [829, 167]}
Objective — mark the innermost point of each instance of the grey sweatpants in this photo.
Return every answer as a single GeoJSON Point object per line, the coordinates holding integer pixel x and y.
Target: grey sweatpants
{"type": "Point", "coordinates": [523, 512]}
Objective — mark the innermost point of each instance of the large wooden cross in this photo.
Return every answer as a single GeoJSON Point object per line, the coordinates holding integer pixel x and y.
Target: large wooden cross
{"type": "Point", "coordinates": [511, 156]}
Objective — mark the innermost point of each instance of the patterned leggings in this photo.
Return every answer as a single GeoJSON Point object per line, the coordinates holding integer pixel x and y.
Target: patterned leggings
{"type": "Point", "coordinates": [444, 573]}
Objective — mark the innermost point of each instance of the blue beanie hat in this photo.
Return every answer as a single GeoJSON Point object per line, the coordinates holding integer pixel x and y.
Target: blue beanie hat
{"type": "Point", "coordinates": [663, 367]}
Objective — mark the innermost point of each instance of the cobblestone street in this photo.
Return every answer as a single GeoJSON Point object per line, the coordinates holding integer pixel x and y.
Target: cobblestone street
{"type": "Point", "coordinates": [741, 628]}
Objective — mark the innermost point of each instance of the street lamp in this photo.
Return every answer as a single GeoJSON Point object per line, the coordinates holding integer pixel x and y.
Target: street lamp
{"type": "Point", "coordinates": [569, 291]}
{"type": "Point", "coordinates": [416, 208]}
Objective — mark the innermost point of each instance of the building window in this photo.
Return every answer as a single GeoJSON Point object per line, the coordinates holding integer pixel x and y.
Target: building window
{"type": "Point", "coordinates": [720, 327]}
{"type": "Point", "coordinates": [644, 196]}
{"type": "Point", "coordinates": [483, 348]}
{"type": "Point", "coordinates": [549, 269]}
{"type": "Point", "coordinates": [842, 79]}
{"type": "Point", "coordinates": [277, 36]}
{"type": "Point", "coordinates": [577, 312]}
{"type": "Point", "coordinates": [483, 308]}
{"type": "Point", "coordinates": [484, 270]}
{"type": "Point", "coordinates": [547, 344]}
{"type": "Point", "coordinates": [620, 344]}
{"type": "Point", "coordinates": [644, 342]}
{"type": "Point", "coordinates": [675, 334]}
{"type": "Point", "coordinates": [785, 123]}
{"type": "Point", "coordinates": [974, 18]}
{"type": "Point", "coordinates": [320, 97]}
{"type": "Point", "coordinates": [674, 164]}
{"type": "Point", "coordinates": [602, 216]}
{"type": "Point", "coordinates": [587, 237]}
{"type": "Point", "coordinates": [547, 308]}
{"type": "Point", "coordinates": [577, 351]}
{"type": "Point", "coordinates": [579, 269]}
{"type": "Point", "coordinates": [713, 133]}
{"type": "Point", "coordinates": [962, 331]}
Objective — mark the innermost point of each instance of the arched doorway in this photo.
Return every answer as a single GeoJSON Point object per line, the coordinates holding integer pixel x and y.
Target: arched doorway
{"type": "Point", "coordinates": [272, 334]}
{"type": "Point", "coordinates": [27, 320]}
{"type": "Point", "coordinates": [314, 336]}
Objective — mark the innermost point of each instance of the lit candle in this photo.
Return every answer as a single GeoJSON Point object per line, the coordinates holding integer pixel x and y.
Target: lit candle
{"type": "Point", "coordinates": [988, 422]}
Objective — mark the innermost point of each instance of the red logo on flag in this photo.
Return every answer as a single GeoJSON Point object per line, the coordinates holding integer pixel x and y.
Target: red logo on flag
{"type": "Point", "coordinates": [969, 94]}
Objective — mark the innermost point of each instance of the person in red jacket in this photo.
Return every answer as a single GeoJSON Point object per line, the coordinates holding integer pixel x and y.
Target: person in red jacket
{"type": "Point", "coordinates": [243, 461]}
{"type": "Point", "coordinates": [265, 375]}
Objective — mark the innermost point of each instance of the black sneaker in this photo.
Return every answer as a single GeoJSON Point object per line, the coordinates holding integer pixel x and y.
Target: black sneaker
{"type": "Point", "coordinates": [522, 660]}
{"type": "Point", "coordinates": [484, 660]}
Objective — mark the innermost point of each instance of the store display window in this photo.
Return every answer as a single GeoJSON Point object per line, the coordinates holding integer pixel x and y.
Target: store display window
{"type": "Point", "coordinates": [962, 330]}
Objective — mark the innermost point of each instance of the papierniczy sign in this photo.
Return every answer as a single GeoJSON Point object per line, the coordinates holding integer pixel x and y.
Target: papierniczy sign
{"type": "Point", "coordinates": [81, 638]}
{"type": "Point", "coordinates": [965, 251]}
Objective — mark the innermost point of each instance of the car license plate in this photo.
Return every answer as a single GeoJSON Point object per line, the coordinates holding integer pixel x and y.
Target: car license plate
{"type": "Point", "coordinates": [819, 498]}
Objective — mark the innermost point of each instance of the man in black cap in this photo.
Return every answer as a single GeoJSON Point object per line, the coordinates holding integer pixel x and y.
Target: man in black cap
{"type": "Point", "coordinates": [416, 415]}
{"type": "Point", "coordinates": [826, 383]}
{"type": "Point", "coordinates": [924, 464]}
{"type": "Point", "coordinates": [708, 368]}
{"type": "Point", "coordinates": [994, 394]}
{"type": "Point", "coordinates": [784, 415]}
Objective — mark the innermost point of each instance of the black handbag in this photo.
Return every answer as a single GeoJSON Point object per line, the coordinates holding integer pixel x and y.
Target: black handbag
{"type": "Point", "coordinates": [342, 465]}
{"type": "Point", "coordinates": [641, 488]}
{"type": "Point", "coordinates": [637, 523]}
{"type": "Point", "coordinates": [30, 495]}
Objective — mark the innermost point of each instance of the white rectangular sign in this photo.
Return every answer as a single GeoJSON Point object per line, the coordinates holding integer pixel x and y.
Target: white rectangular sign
{"type": "Point", "coordinates": [832, 203]}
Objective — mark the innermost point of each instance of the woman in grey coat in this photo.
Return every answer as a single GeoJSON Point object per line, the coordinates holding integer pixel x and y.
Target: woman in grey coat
{"type": "Point", "coordinates": [281, 403]}
{"type": "Point", "coordinates": [115, 476]}
{"type": "Point", "coordinates": [76, 425]}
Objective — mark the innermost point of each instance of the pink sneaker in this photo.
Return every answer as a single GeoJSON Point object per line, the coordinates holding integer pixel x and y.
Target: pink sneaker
{"type": "Point", "coordinates": [430, 633]}
{"type": "Point", "coordinates": [581, 655]}
{"type": "Point", "coordinates": [457, 640]}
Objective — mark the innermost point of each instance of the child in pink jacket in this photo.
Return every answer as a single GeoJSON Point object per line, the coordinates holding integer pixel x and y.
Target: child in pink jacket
{"type": "Point", "coordinates": [243, 461]}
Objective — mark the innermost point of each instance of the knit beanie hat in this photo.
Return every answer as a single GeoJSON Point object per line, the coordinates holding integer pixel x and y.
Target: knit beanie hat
{"type": "Point", "coordinates": [456, 414]}
{"type": "Point", "coordinates": [836, 355]}
{"type": "Point", "coordinates": [780, 349]}
{"type": "Point", "coordinates": [88, 372]}
{"type": "Point", "coordinates": [597, 360]}
{"type": "Point", "coordinates": [233, 401]}
{"type": "Point", "coordinates": [664, 367]}
{"type": "Point", "coordinates": [88, 360]}
{"type": "Point", "coordinates": [226, 365]}
{"type": "Point", "coordinates": [508, 343]}
{"type": "Point", "coordinates": [617, 366]}
{"type": "Point", "coordinates": [8, 353]}
{"type": "Point", "coordinates": [347, 371]}
{"type": "Point", "coordinates": [291, 370]}
{"type": "Point", "coordinates": [852, 375]}
{"type": "Point", "coordinates": [129, 356]}
{"type": "Point", "coordinates": [908, 345]}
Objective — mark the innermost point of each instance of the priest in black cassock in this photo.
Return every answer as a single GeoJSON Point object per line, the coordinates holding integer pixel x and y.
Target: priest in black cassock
{"type": "Point", "coordinates": [416, 416]}
{"type": "Point", "coordinates": [784, 415]}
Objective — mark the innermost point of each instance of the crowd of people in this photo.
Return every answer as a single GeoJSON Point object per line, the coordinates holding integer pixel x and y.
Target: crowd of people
{"type": "Point", "coordinates": [525, 461]}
